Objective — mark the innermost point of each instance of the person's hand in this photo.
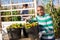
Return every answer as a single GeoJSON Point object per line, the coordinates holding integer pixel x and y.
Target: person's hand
{"type": "Point", "coordinates": [40, 34]}
{"type": "Point", "coordinates": [50, 31]}
{"type": "Point", "coordinates": [28, 18]}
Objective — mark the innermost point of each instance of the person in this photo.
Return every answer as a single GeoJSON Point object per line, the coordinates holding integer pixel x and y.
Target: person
{"type": "Point", "coordinates": [24, 12]}
{"type": "Point", "coordinates": [45, 20]}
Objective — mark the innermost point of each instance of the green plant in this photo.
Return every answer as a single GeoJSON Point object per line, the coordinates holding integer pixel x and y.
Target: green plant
{"type": "Point", "coordinates": [16, 25]}
{"type": "Point", "coordinates": [55, 13]}
{"type": "Point", "coordinates": [16, 18]}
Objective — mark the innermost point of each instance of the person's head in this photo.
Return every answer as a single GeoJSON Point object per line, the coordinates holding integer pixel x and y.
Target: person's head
{"type": "Point", "coordinates": [25, 5]}
{"type": "Point", "coordinates": [40, 10]}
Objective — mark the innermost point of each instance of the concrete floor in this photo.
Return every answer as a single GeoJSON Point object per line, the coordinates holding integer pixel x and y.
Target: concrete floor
{"type": "Point", "coordinates": [6, 37]}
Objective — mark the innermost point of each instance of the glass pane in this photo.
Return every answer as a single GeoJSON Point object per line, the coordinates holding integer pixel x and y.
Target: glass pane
{"type": "Point", "coordinates": [27, 11]}
{"type": "Point", "coordinates": [5, 1]}
{"type": "Point", "coordinates": [6, 19]}
{"type": "Point", "coordinates": [42, 2]}
{"type": "Point", "coordinates": [22, 6]}
{"type": "Point", "coordinates": [31, 11]}
{"type": "Point", "coordinates": [16, 18]}
{"type": "Point", "coordinates": [6, 7]}
{"type": "Point", "coordinates": [31, 5]}
{"type": "Point", "coordinates": [13, 18]}
{"type": "Point", "coordinates": [28, 0]}
{"type": "Point", "coordinates": [5, 13]}
{"type": "Point", "coordinates": [16, 6]}
{"type": "Point", "coordinates": [20, 1]}
{"type": "Point", "coordinates": [15, 12]}
{"type": "Point", "coordinates": [14, 1]}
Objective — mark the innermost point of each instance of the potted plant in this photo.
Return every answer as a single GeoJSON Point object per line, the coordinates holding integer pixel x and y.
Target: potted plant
{"type": "Point", "coordinates": [14, 31]}
{"type": "Point", "coordinates": [30, 27]}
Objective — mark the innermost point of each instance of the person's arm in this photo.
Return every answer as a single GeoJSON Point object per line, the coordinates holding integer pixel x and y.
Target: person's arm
{"type": "Point", "coordinates": [30, 19]}
{"type": "Point", "coordinates": [50, 24]}
{"type": "Point", "coordinates": [34, 19]}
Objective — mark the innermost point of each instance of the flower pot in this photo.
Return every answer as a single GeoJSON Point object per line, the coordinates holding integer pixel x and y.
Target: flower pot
{"type": "Point", "coordinates": [33, 31]}
{"type": "Point", "coordinates": [14, 33]}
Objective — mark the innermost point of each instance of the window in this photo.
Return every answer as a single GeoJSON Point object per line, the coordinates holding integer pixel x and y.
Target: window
{"type": "Point", "coordinates": [12, 10]}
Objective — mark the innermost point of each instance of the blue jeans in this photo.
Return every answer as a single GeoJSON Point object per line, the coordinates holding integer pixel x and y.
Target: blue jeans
{"type": "Point", "coordinates": [47, 39]}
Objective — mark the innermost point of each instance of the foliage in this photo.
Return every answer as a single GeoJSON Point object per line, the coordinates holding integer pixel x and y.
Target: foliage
{"type": "Point", "coordinates": [31, 11]}
{"type": "Point", "coordinates": [55, 13]}
{"type": "Point", "coordinates": [14, 26]}
{"type": "Point", "coordinates": [13, 18]}
{"type": "Point", "coordinates": [29, 25]}
{"type": "Point", "coordinates": [6, 14]}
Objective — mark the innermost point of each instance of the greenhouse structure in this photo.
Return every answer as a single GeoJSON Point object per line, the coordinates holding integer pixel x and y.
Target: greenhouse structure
{"type": "Point", "coordinates": [12, 15]}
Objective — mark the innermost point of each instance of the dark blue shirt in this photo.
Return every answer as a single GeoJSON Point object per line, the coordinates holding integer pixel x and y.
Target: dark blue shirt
{"type": "Point", "coordinates": [25, 12]}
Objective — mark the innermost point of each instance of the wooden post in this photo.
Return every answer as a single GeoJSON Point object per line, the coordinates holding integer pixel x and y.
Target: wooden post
{"type": "Point", "coordinates": [11, 6]}
{"type": "Point", "coordinates": [51, 3]}
{"type": "Point", "coordinates": [35, 3]}
{"type": "Point", "coordinates": [0, 4]}
{"type": "Point", "coordinates": [0, 22]}
{"type": "Point", "coordinates": [0, 17]}
{"type": "Point", "coordinates": [58, 2]}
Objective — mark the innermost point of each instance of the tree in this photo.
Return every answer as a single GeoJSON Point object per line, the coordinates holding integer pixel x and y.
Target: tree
{"type": "Point", "coordinates": [55, 14]}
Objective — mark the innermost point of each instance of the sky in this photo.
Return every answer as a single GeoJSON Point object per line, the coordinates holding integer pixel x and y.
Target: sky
{"type": "Point", "coordinates": [20, 1]}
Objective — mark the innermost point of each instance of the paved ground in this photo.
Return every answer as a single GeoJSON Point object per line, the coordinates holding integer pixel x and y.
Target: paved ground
{"type": "Point", "coordinates": [7, 38]}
